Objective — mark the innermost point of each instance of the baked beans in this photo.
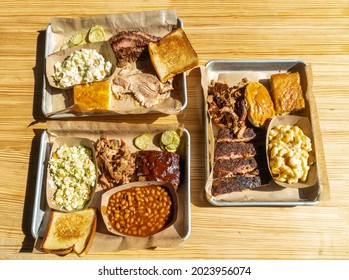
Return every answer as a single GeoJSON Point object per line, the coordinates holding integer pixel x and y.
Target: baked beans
{"type": "Point", "coordinates": [140, 211]}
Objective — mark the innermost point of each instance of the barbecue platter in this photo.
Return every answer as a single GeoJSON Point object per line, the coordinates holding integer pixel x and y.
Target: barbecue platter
{"type": "Point", "coordinates": [150, 182]}
{"type": "Point", "coordinates": [246, 102]}
{"type": "Point", "coordinates": [107, 65]}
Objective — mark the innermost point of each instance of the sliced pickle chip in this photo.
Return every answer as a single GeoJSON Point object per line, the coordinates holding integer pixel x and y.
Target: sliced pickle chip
{"type": "Point", "coordinates": [96, 34]}
{"type": "Point", "coordinates": [171, 148]}
{"type": "Point", "coordinates": [66, 46]}
{"type": "Point", "coordinates": [170, 141]}
{"type": "Point", "coordinates": [167, 137]}
{"type": "Point", "coordinates": [77, 39]}
{"type": "Point", "coordinates": [142, 141]}
{"type": "Point", "coordinates": [176, 139]}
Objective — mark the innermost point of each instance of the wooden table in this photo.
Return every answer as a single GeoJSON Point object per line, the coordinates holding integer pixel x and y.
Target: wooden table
{"type": "Point", "coordinates": [314, 31]}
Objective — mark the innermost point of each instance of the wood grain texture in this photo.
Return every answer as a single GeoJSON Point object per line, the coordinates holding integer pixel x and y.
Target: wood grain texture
{"type": "Point", "coordinates": [314, 31]}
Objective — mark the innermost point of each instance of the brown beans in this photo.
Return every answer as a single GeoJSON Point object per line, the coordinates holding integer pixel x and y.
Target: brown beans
{"type": "Point", "coordinates": [140, 211]}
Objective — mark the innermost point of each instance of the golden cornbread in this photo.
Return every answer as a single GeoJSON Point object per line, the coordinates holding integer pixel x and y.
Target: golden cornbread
{"type": "Point", "coordinates": [287, 93]}
{"type": "Point", "coordinates": [92, 96]}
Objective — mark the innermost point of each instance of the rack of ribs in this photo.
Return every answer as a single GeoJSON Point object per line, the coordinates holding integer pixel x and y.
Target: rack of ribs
{"type": "Point", "coordinates": [239, 163]}
{"type": "Point", "coordinates": [158, 166]}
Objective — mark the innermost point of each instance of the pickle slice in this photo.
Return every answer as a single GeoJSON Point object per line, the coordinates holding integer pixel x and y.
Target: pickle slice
{"type": "Point", "coordinates": [96, 34]}
{"type": "Point", "coordinates": [171, 148]}
{"type": "Point", "coordinates": [66, 46]}
{"type": "Point", "coordinates": [176, 139]}
{"type": "Point", "coordinates": [142, 141]}
{"type": "Point", "coordinates": [170, 141]}
{"type": "Point", "coordinates": [167, 137]}
{"type": "Point", "coordinates": [76, 39]}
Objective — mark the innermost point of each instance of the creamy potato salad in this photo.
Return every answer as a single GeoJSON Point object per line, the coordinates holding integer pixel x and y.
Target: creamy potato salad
{"type": "Point", "coordinates": [81, 66]}
{"type": "Point", "coordinates": [73, 172]}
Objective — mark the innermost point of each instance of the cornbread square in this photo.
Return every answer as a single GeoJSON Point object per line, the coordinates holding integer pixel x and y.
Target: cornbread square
{"type": "Point", "coordinates": [93, 96]}
{"type": "Point", "coordinates": [287, 93]}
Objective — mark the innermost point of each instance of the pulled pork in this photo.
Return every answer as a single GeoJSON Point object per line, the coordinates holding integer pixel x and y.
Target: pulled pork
{"type": "Point", "coordinates": [227, 106]}
{"type": "Point", "coordinates": [116, 163]}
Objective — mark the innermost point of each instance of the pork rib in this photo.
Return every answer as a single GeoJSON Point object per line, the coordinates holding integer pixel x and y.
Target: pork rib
{"type": "Point", "coordinates": [231, 150]}
{"type": "Point", "coordinates": [234, 184]}
{"type": "Point", "coordinates": [231, 167]}
{"type": "Point", "coordinates": [158, 166]}
{"type": "Point", "coordinates": [227, 135]}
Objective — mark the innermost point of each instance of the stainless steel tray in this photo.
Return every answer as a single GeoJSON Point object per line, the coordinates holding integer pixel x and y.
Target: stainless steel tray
{"type": "Point", "coordinates": [183, 223]}
{"type": "Point", "coordinates": [46, 105]}
{"type": "Point", "coordinates": [261, 70]}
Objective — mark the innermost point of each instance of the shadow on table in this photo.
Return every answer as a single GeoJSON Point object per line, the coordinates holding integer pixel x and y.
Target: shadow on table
{"type": "Point", "coordinates": [38, 71]}
{"type": "Point", "coordinates": [28, 242]}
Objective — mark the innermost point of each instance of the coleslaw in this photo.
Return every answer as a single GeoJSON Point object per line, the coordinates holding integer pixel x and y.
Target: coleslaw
{"type": "Point", "coordinates": [74, 174]}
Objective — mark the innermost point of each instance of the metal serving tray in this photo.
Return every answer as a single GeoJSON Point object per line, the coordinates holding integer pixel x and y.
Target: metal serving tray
{"type": "Point", "coordinates": [46, 105]}
{"type": "Point", "coordinates": [256, 70]}
{"type": "Point", "coordinates": [182, 224]}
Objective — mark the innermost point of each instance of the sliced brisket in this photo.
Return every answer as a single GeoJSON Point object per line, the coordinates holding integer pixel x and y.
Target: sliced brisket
{"type": "Point", "coordinates": [234, 184]}
{"type": "Point", "coordinates": [231, 167]}
{"type": "Point", "coordinates": [128, 46]}
{"type": "Point", "coordinates": [231, 150]}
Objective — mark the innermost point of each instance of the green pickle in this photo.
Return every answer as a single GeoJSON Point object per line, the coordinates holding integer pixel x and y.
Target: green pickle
{"type": "Point", "coordinates": [77, 39]}
{"type": "Point", "coordinates": [171, 148]}
{"type": "Point", "coordinates": [170, 141]}
{"type": "Point", "coordinates": [142, 141]}
{"type": "Point", "coordinates": [66, 46]}
{"type": "Point", "coordinates": [96, 34]}
{"type": "Point", "coordinates": [167, 137]}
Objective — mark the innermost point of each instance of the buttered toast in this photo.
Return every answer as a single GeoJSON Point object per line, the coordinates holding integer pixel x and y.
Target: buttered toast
{"type": "Point", "coordinates": [172, 54]}
{"type": "Point", "coordinates": [72, 231]}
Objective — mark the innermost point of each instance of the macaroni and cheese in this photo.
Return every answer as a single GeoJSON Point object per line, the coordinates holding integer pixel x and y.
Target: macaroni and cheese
{"type": "Point", "coordinates": [289, 149]}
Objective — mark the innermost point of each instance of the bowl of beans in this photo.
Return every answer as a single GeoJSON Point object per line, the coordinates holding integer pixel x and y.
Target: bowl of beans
{"type": "Point", "coordinates": [139, 209]}
{"type": "Point", "coordinates": [291, 152]}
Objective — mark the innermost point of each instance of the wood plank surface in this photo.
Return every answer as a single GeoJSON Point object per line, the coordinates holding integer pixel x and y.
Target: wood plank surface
{"type": "Point", "coordinates": [314, 31]}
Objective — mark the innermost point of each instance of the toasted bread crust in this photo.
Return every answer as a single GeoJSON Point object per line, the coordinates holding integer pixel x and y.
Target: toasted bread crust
{"type": "Point", "coordinates": [66, 230]}
{"type": "Point", "coordinates": [173, 54]}
{"type": "Point", "coordinates": [90, 237]}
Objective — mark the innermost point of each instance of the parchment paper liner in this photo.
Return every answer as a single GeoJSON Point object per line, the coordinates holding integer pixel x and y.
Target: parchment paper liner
{"type": "Point", "coordinates": [109, 193]}
{"type": "Point", "coordinates": [158, 23]}
{"type": "Point", "coordinates": [104, 241]}
{"type": "Point", "coordinates": [103, 48]}
{"type": "Point", "coordinates": [271, 193]}
{"type": "Point", "coordinates": [304, 124]}
{"type": "Point", "coordinates": [51, 187]}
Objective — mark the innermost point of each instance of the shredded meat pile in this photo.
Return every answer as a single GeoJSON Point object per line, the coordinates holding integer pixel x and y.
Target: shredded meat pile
{"type": "Point", "coordinates": [227, 106]}
{"type": "Point", "coordinates": [116, 163]}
